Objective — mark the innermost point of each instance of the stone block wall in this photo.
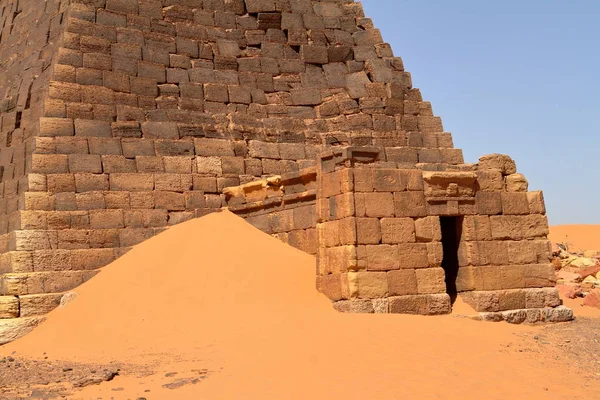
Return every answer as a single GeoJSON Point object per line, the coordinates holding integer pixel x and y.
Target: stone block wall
{"type": "Point", "coordinates": [124, 117]}
{"type": "Point", "coordinates": [382, 246]}
{"type": "Point", "coordinates": [282, 206]}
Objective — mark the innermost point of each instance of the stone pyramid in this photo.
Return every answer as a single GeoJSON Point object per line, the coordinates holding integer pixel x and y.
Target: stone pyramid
{"type": "Point", "coordinates": [120, 118]}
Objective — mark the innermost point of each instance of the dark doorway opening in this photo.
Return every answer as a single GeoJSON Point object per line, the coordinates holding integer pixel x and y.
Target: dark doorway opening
{"type": "Point", "coordinates": [451, 234]}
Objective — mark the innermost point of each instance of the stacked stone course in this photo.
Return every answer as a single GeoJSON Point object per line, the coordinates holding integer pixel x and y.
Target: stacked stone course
{"type": "Point", "coordinates": [120, 118]}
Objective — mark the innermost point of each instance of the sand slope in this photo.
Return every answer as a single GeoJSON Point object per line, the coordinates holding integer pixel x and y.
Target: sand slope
{"type": "Point", "coordinates": [579, 237]}
{"type": "Point", "coordinates": [217, 294]}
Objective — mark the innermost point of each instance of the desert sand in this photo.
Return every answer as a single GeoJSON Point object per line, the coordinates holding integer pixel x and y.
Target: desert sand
{"type": "Point", "coordinates": [218, 296]}
{"type": "Point", "coordinates": [579, 237]}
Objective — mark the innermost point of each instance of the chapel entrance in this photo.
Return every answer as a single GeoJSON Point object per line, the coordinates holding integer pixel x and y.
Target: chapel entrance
{"type": "Point", "coordinates": [451, 234]}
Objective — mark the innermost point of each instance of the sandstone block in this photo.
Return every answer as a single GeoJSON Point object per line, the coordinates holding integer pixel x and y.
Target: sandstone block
{"type": "Point", "coordinates": [402, 282]}
{"type": "Point", "coordinates": [56, 127]}
{"type": "Point", "coordinates": [489, 203]}
{"type": "Point", "coordinates": [536, 202]}
{"type": "Point", "coordinates": [85, 163]}
{"type": "Point", "coordinates": [378, 204]}
{"type": "Point", "coordinates": [413, 255]}
{"type": "Point", "coordinates": [428, 229]}
{"type": "Point", "coordinates": [515, 203]}
{"type": "Point", "coordinates": [465, 280]}
{"type": "Point", "coordinates": [206, 147]}
{"type": "Point", "coordinates": [382, 257]}
{"type": "Point", "coordinates": [498, 161]}
{"type": "Point", "coordinates": [209, 165]}
{"type": "Point", "coordinates": [363, 180]}
{"type": "Point", "coordinates": [482, 301]}
{"type": "Point", "coordinates": [487, 278]}
{"type": "Point", "coordinates": [476, 228]}
{"type": "Point", "coordinates": [368, 231]}
{"type": "Point", "coordinates": [257, 6]}
{"type": "Point", "coordinates": [259, 149]}
{"type": "Point", "coordinates": [367, 285]}
{"type": "Point", "coordinates": [516, 183]}
{"type": "Point", "coordinates": [522, 252]}
{"type": "Point", "coordinates": [539, 275]}
{"type": "Point", "coordinates": [511, 300]}
{"type": "Point", "coordinates": [39, 304]}
{"type": "Point", "coordinates": [131, 182]}
{"type": "Point", "coordinates": [49, 163]}
{"type": "Point", "coordinates": [512, 276]}
{"type": "Point", "coordinates": [356, 84]}
{"type": "Point", "coordinates": [330, 286]}
{"type": "Point", "coordinates": [397, 230]}
{"type": "Point", "coordinates": [430, 280]}
{"type": "Point", "coordinates": [414, 304]}
{"type": "Point", "coordinates": [490, 180]}
{"type": "Point", "coordinates": [14, 328]}
{"type": "Point", "coordinates": [314, 54]}
{"type": "Point", "coordinates": [9, 307]}
{"type": "Point", "coordinates": [91, 182]}
{"type": "Point", "coordinates": [496, 252]}
{"type": "Point", "coordinates": [410, 204]}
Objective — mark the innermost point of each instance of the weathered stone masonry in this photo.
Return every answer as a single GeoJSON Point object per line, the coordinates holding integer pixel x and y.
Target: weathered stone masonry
{"type": "Point", "coordinates": [120, 118]}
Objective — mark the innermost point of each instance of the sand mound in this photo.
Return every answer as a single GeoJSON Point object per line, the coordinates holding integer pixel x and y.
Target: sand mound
{"type": "Point", "coordinates": [217, 294]}
{"type": "Point", "coordinates": [579, 237]}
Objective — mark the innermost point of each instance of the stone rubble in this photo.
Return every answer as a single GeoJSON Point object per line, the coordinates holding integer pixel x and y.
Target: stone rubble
{"type": "Point", "coordinates": [578, 274]}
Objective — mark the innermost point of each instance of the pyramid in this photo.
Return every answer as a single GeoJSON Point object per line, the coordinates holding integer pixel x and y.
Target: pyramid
{"type": "Point", "coordinates": [120, 118]}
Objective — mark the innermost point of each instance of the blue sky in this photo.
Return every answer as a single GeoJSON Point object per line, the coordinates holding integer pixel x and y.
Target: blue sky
{"type": "Point", "coordinates": [514, 77]}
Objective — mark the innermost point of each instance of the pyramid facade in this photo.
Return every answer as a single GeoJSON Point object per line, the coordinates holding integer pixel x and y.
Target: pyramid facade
{"type": "Point", "coordinates": [120, 118]}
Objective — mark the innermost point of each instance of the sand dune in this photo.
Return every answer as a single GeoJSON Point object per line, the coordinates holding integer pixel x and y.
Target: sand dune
{"type": "Point", "coordinates": [579, 237]}
{"type": "Point", "coordinates": [217, 294]}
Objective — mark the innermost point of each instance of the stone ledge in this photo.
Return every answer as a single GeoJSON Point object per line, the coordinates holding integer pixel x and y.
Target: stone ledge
{"type": "Point", "coordinates": [529, 316]}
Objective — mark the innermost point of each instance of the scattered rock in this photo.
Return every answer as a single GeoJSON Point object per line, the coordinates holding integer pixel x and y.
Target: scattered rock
{"type": "Point", "coordinates": [181, 382]}
{"type": "Point", "coordinates": [591, 271]}
{"type": "Point", "coordinates": [67, 298]}
{"type": "Point", "coordinates": [592, 299]}
{"type": "Point", "coordinates": [570, 290]}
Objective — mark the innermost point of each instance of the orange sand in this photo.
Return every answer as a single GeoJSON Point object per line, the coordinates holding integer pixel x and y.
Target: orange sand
{"type": "Point", "coordinates": [579, 237]}
{"type": "Point", "coordinates": [217, 294]}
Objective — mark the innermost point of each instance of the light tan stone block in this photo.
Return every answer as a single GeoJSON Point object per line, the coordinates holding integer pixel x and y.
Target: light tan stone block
{"type": "Point", "coordinates": [516, 183]}
{"type": "Point", "coordinates": [430, 280]}
{"type": "Point", "coordinates": [512, 276]}
{"type": "Point", "coordinates": [539, 275]}
{"type": "Point", "coordinates": [397, 230]}
{"type": "Point", "coordinates": [487, 277]}
{"type": "Point", "coordinates": [465, 280]}
{"type": "Point", "coordinates": [522, 252]}
{"type": "Point", "coordinates": [382, 257]}
{"type": "Point", "coordinates": [490, 180]}
{"type": "Point", "coordinates": [9, 307]}
{"type": "Point", "coordinates": [428, 229]}
{"type": "Point", "coordinates": [435, 254]}
{"type": "Point", "coordinates": [476, 228]}
{"type": "Point", "coordinates": [368, 285]}
{"type": "Point", "coordinates": [413, 255]}
{"type": "Point", "coordinates": [402, 282]}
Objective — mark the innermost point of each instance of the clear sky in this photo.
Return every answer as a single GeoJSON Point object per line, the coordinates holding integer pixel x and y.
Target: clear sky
{"type": "Point", "coordinates": [515, 77]}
